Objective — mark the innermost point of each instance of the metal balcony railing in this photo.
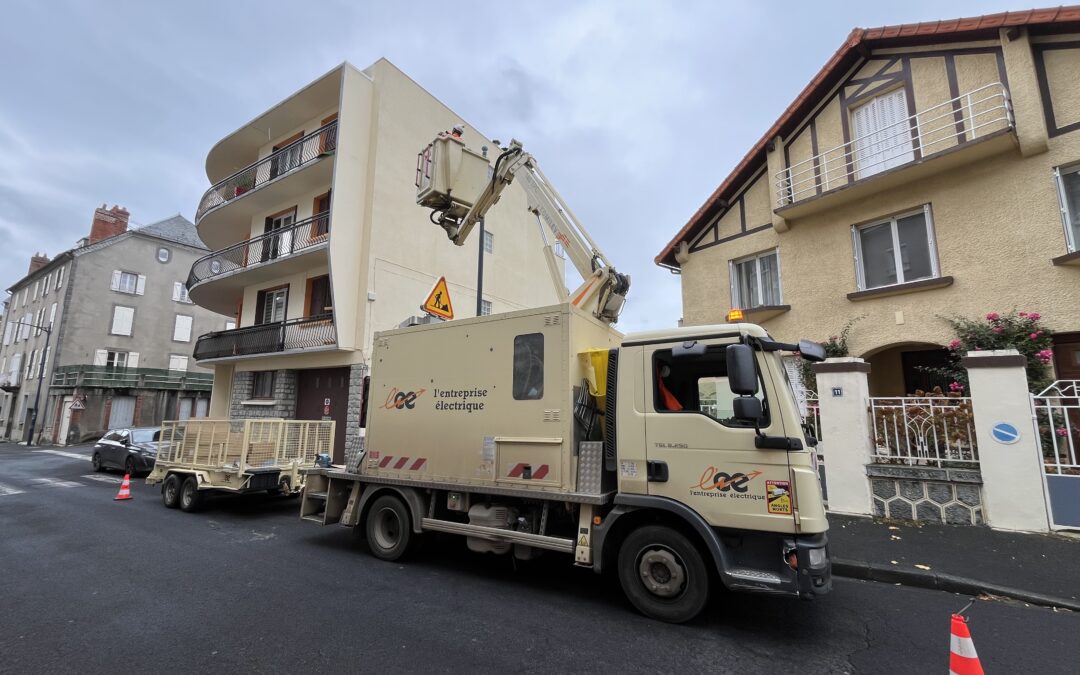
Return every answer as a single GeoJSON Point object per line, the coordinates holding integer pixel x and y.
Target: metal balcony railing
{"type": "Point", "coordinates": [306, 333]}
{"type": "Point", "coordinates": [321, 142]}
{"type": "Point", "coordinates": [263, 249]}
{"type": "Point", "coordinates": [134, 378]}
{"type": "Point", "coordinates": [959, 120]}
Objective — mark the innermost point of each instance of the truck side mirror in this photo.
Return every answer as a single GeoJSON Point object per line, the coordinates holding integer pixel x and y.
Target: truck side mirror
{"type": "Point", "coordinates": [811, 351]}
{"type": "Point", "coordinates": [741, 370]}
{"type": "Point", "coordinates": [747, 408]}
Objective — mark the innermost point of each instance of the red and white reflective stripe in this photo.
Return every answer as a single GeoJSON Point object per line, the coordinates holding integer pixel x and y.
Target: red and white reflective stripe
{"type": "Point", "coordinates": [519, 470]}
{"type": "Point", "coordinates": [417, 463]}
{"type": "Point", "coordinates": [962, 658]}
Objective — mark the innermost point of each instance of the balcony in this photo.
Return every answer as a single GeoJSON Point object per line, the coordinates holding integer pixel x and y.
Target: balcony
{"type": "Point", "coordinates": [308, 333]}
{"type": "Point", "coordinates": [973, 126]}
{"type": "Point", "coordinates": [131, 378]}
{"type": "Point", "coordinates": [216, 281]}
{"type": "Point", "coordinates": [257, 186]}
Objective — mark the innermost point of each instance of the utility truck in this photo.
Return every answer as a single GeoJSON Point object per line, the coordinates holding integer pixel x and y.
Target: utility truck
{"type": "Point", "coordinates": [675, 458]}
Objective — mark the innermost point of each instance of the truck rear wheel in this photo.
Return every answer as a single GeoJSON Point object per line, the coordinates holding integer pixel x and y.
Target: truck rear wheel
{"type": "Point", "coordinates": [663, 574]}
{"type": "Point", "coordinates": [190, 497]}
{"type": "Point", "coordinates": [170, 491]}
{"type": "Point", "coordinates": [388, 528]}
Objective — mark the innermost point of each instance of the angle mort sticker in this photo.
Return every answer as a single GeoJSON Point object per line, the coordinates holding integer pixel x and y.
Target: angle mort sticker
{"type": "Point", "coordinates": [778, 493]}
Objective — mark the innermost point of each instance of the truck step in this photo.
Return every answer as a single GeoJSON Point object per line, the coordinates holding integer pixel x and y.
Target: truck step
{"type": "Point", "coordinates": [315, 519]}
{"type": "Point", "coordinates": [754, 575]}
{"type": "Point", "coordinates": [316, 494]}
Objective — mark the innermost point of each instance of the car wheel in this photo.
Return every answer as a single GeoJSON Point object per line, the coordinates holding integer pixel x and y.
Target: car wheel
{"type": "Point", "coordinates": [663, 574]}
{"type": "Point", "coordinates": [129, 466]}
{"type": "Point", "coordinates": [170, 491]}
{"type": "Point", "coordinates": [190, 498]}
{"type": "Point", "coordinates": [388, 528]}
{"type": "Point", "coordinates": [95, 462]}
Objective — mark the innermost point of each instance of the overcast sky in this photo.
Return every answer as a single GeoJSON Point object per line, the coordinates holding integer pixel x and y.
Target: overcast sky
{"type": "Point", "coordinates": [636, 110]}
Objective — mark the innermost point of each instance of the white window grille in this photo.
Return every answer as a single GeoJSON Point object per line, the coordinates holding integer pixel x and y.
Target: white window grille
{"type": "Point", "coordinates": [755, 280]}
{"type": "Point", "coordinates": [182, 328]}
{"type": "Point", "coordinates": [489, 241]}
{"type": "Point", "coordinates": [1068, 184]}
{"type": "Point", "coordinates": [485, 307]}
{"type": "Point", "coordinates": [122, 320]}
{"type": "Point", "coordinates": [116, 359]}
{"type": "Point", "coordinates": [898, 250]}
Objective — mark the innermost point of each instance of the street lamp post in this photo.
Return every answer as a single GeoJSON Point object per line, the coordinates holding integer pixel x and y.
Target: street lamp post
{"type": "Point", "coordinates": [41, 378]}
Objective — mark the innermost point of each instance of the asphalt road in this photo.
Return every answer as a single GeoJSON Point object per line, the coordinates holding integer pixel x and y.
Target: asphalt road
{"type": "Point", "coordinates": [88, 585]}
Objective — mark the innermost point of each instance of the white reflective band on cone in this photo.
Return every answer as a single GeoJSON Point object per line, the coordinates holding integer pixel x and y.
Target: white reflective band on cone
{"type": "Point", "coordinates": [962, 646]}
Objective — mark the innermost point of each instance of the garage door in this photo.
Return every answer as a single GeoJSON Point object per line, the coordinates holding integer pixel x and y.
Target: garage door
{"type": "Point", "coordinates": [122, 413]}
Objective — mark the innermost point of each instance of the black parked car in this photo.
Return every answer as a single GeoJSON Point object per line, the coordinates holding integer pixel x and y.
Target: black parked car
{"type": "Point", "coordinates": [133, 450]}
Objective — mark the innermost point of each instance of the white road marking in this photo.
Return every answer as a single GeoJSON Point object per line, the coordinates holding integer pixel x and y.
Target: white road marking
{"type": "Point", "coordinates": [8, 490]}
{"type": "Point", "coordinates": [55, 483]}
{"type": "Point", "coordinates": [62, 453]}
{"type": "Point", "coordinates": [115, 480]}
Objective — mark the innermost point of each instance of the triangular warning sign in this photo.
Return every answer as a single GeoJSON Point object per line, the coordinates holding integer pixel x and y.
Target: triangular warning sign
{"type": "Point", "coordinates": [438, 301]}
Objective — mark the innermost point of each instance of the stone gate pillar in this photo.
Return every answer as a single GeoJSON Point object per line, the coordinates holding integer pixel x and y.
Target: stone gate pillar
{"type": "Point", "coordinates": [844, 396]}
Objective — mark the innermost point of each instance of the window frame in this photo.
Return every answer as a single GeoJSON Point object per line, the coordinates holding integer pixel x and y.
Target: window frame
{"type": "Point", "coordinates": [166, 251]}
{"type": "Point", "coordinates": [485, 307]}
{"type": "Point", "coordinates": [733, 278]}
{"type": "Point", "coordinates": [931, 241]}
{"type": "Point", "coordinates": [515, 369]}
{"type": "Point", "coordinates": [110, 353]}
{"type": "Point", "coordinates": [134, 284]}
{"type": "Point", "coordinates": [489, 241]}
{"type": "Point", "coordinates": [255, 388]}
{"type": "Point", "coordinates": [1071, 243]}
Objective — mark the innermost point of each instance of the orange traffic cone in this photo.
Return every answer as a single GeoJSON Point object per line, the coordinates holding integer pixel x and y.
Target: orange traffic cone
{"type": "Point", "coordinates": [125, 488]}
{"type": "Point", "coordinates": [962, 657]}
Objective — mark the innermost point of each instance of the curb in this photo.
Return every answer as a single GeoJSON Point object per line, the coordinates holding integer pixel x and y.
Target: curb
{"type": "Point", "coordinates": [941, 581]}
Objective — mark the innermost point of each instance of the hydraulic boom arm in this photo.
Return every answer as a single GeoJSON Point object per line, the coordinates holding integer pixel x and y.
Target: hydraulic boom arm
{"type": "Point", "coordinates": [453, 181]}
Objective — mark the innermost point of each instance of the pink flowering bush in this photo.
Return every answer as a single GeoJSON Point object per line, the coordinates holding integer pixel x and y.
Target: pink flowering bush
{"type": "Point", "coordinates": [1021, 331]}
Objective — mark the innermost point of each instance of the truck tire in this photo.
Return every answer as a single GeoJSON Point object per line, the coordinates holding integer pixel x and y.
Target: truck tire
{"type": "Point", "coordinates": [190, 498]}
{"type": "Point", "coordinates": [170, 491]}
{"type": "Point", "coordinates": [663, 574]}
{"type": "Point", "coordinates": [387, 528]}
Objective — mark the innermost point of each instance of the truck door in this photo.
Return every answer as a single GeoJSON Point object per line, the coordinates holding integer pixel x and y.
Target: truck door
{"type": "Point", "coordinates": [700, 455]}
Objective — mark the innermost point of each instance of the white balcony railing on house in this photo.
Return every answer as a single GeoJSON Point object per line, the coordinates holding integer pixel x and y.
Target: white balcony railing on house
{"type": "Point", "coordinates": [965, 118]}
{"type": "Point", "coordinates": [937, 431]}
{"type": "Point", "coordinates": [1057, 418]}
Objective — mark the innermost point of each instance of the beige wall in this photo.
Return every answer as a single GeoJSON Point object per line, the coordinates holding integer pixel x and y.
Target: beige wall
{"type": "Point", "coordinates": [996, 220]}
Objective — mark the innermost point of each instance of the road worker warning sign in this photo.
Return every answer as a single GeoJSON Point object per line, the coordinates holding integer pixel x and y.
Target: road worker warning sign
{"type": "Point", "coordinates": [438, 301]}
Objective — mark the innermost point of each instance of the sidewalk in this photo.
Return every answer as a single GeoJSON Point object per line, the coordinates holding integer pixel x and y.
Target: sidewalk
{"type": "Point", "coordinates": [1037, 568]}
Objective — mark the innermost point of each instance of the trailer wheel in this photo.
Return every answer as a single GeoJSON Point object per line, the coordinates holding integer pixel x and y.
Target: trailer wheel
{"type": "Point", "coordinates": [170, 491]}
{"type": "Point", "coordinates": [663, 574]}
{"type": "Point", "coordinates": [388, 528]}
{"type": "Point", "coordinates": [190, 498]}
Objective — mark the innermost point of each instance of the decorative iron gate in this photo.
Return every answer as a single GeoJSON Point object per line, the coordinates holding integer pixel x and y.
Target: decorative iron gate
{"type": "Point", "coordinates": [1057, 421]}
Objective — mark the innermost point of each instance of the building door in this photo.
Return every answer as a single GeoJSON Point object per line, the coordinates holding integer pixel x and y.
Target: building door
{"type": "Point", "coordinates": [65, 419]}
{"type": "Point", "coordinates": [318, 390]}
{"type": "Point", "coordinates": [122, 412]}
{"type": "Point", "coordinates": [1067, 356]}
{"type": "Point", "coordinates": [916, 375]}
{"type": "Point", "coordinates": [186, 405]}
{"type": "Point", "coordinates": [280, 241]}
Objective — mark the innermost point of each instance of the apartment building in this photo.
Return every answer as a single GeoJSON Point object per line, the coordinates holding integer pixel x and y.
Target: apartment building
{"type": "Point", "coordinates": [928, 170]}
{"type": "Point", "coordinates": [107, 329]}
{"type": "Point", "coordinates": [317, 243]}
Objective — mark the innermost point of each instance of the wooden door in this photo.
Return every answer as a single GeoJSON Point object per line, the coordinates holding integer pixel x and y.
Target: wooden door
{"type": "Point", "coordinates": [1067, 356]}
{"type": "Point", "coordinates": [321, 389]}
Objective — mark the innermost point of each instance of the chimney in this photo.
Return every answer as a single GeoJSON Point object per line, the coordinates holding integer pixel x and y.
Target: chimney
{"type": "Point", "coordinates": [108, 223]}
{"type": "Point", "coordinates": [37, 261]}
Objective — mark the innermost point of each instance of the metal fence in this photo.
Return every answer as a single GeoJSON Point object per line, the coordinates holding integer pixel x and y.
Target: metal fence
{"type": "Point", "coordinates": [305, 333]}
{"type": "Point", "coordinates": [976, 113]}
{"type": "Point", "coordinates": [321, 142]}
{"type": "Point", "coordinates": [142, 378]}
{"type": "Point", "coordinates": [244, 443]}
{"type": "Point", "coordinates": [265, 248]}
{"type": "Point", "coordinates": [924, 431]}
{"type": "Point", "coordinates": [1057, 418]}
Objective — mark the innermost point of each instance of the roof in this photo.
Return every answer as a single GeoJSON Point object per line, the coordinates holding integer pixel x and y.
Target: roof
{"type": "Point", "coordinates": [858, 44]}
{"type": "Point", "coordinates": [178, 229]}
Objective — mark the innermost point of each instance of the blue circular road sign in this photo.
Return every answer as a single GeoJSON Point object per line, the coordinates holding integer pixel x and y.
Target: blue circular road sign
{"type": "Point", "coordinates": [1003, 432]}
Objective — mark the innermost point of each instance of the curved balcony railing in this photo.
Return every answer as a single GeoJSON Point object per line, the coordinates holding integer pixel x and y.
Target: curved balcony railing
{"type": "Point", "coordinates": [317, 144]}
{"type": "Point", "coordinates": [263, 249]}
{"type": "Point", "coordinates": [306, 333]}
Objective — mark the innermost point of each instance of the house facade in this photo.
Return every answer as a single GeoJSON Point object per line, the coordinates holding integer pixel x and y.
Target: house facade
{"type": "Point", "coordinates": [107, 330]}
{"type": "Point", "coordinates": [317, 243]}
{"type": "Point", "coordinates": [928, 171]}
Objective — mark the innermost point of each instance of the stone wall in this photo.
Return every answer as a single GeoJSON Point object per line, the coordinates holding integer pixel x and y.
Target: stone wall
{"type": "Point", "coordinates": [282, 405]}
{"type": "Point", "coordinates": [352, 419]}
{"type": "Point", "coordinates": [932, 495]}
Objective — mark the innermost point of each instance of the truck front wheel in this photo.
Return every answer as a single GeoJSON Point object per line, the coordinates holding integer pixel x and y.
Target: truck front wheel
{"type": "Point", "coordinates": [388, 528]}
{"type": "Point", "coordinates": [663, 574]}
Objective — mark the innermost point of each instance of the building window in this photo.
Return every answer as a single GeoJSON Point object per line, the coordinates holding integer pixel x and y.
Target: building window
{"type": "Point", "coordinates": [230, 325]}
{"type": "Point", "coordinates": [45, 286]}
{"type": "Point", "coordinates": [122, 320]}
{"type": "Point", "coordinates": [485, 307]}
{"type": "Point", "coordinates": [559, 252]}
{"type": "Point", "coordinates": [1068, 181]}
{"type": "Point", "coordinates": [128, 282]}
{"type": "Point", "coordinates": [59, 278]}
{"type": "Point", "coordinates": [177, 362]}
{"type": "Point", "coordinates": [271, 305]}
{"type": "Point", "coordinates": [489, 241]}
{"type": "Point", "coordinates": [755, 281]}
{"type": "Point", "coordinates": [182, 328]}
{"type": "Point", "coordinates": [180, 292]}
{"type": "Point", "coordinates": [262, 386]}
{"type": "Point", "coordinates": [163, 254]}
{"type": "Point", "coordinates": [528, 382]}
{"type": "Point", "coordinates": [37, 284]}
{"type": "Point", "coordinates": [116, 359]}
{"type": "Point", "coordinates": [882, 134]}
{"type": "Point", "coordinates": [895, 251]}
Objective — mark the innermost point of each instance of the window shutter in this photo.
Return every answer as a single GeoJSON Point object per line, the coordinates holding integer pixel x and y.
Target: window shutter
{"type": "Point", "coordinates": [122, 320]}
{"type": "Point", "coordinates": [60, 277]}
{"type": "Point", "coordinates": [176, 291]}
{"type": "Point", "coordinates": [24, 334]}
{"type": "Point", "coordinates": [100, 357]}
{"type": "Point", "coordinates": [133, 360]}
{"type": "Point", "coordinates": [115, 280]}
{"type": "Point", "coordinates": [45, 357]}
{"type": "Point", "coordinates": [7, 333]}
{"type": "Point", "coordinates": [52, 315]}
{"type": "Point", "coordinates": [48, 282]}
{"type": "Point", "coordinates": [140, 285]}
{"type": "Point", "coordinates": [177, 362]}
{"type": "Point", "coordinates": [16, 366]}
{"type": "Point", "coordinates": [182, 328]}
